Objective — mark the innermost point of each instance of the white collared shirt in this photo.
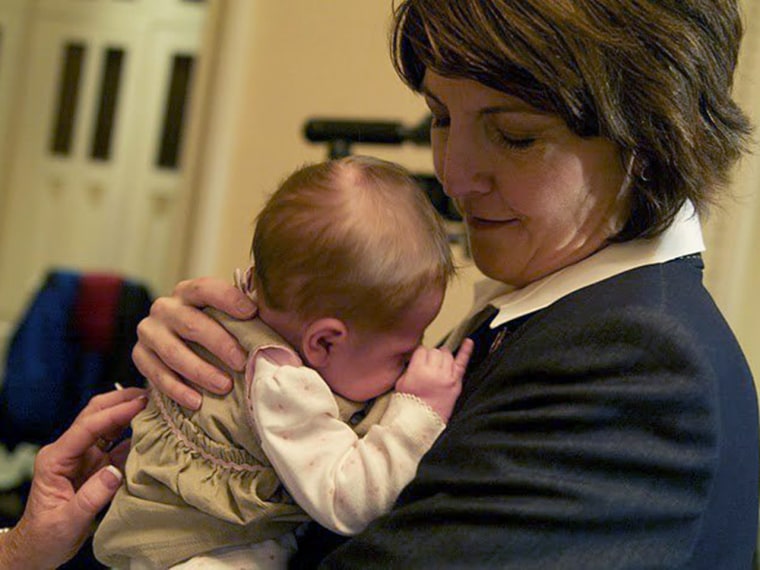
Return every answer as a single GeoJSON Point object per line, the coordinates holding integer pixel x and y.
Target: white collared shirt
{"type": "Point", "coordinates": [683, 237]}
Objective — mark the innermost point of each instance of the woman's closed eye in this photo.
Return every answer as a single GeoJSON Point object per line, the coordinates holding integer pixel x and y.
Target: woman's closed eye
{"type": "Point", "coordinates": [509, 140]}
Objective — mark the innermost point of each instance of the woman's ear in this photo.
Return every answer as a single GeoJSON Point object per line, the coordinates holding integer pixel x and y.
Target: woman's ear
{"type": "Point", "coordinates": [321, 338]}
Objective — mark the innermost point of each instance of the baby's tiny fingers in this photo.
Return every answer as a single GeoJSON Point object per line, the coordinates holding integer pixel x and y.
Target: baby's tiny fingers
{"type": "Point", "coordinates": [464, 353]}
{"type": "Point", "coordinates": [435, 357]}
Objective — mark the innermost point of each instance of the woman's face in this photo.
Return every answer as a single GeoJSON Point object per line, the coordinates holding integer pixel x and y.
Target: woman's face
{"type": "Point", "coordinates": [535, 197]}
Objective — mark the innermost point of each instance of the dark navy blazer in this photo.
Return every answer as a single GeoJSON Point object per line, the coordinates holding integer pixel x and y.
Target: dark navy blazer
{"type": "Point", "coordinates": [616, 428]}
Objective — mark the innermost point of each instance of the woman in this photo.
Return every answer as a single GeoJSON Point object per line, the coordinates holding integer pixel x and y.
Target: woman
{"type": "Point", "coordinates": [609, 419]}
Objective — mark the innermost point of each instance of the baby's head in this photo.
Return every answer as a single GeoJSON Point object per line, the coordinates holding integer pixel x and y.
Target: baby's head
{"type": "Point", "coordinates": [351, 264]}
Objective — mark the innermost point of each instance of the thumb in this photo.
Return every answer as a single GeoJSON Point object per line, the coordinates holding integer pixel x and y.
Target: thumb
{"type": "Point", "coordinates": [91, 497]}
{"type": "Point", "coordinates": [463, 357]}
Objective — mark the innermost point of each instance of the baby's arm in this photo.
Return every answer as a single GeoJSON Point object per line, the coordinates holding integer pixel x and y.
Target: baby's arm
{"type": "Point", "coordinates": [339, 479]}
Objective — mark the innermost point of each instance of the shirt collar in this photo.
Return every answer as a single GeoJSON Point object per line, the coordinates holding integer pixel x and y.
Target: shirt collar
{"type": "Point", "coordinates": [683, 237]}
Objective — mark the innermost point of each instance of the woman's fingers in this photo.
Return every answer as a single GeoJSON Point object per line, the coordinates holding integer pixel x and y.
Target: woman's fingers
{"type": "Point", "coordinates": [106, 416]}
{"type": "Point", "coordinates": [118, 455]}
{"type": "Point", "coordinates": [70, 485]}
{"type": "Point", "coordinates": [94, 494]}
{"type": "Point", "coordinates": [162, 354]}
{"type": "Point", "coordinates": [56, 527]}
{"type": "Point", "coordinates": [163, 357]}
{"type": "Point", "coordinates": [171, 322]}
{"type": "Point", "coordinates": [164, 379]}
{"type": "Point", "coordinates": [110, 399]}
{"type": "Point", "coordinates": [217, 293]}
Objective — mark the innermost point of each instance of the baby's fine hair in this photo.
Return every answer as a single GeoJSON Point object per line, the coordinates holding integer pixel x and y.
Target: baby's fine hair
{"type": "Point", "coordinates": [354, 238]}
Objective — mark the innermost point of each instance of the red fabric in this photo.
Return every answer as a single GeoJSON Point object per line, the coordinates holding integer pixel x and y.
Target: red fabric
{"type": "Point", "coordinates": [95, 310]}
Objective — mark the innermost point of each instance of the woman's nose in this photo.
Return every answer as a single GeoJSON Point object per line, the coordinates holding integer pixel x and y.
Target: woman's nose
{"type": "Point", "coordinates": [460, 165]}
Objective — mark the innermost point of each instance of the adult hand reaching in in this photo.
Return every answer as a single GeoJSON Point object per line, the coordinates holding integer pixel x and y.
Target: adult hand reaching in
{"type": "Point", "coordinates": [74, 478]}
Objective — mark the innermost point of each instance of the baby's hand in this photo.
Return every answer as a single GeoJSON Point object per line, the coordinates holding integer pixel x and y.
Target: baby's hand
{"type": "Point", "coordinates": [435, 376]}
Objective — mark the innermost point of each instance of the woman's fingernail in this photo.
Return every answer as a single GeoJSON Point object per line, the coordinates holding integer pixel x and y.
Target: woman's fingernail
{"type": "Point", "coordinates": [222, 383]}
{"type": "Point", "coordinates": [238, 359]}
{"type": "Point", "coordinates": [111, 476]}
{"type": "Point", "coordinates": [194, 401]}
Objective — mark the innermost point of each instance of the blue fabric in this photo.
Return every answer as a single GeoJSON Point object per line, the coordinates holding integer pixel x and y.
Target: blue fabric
{"type": "Point", "coordinates": [49, 376]}
{"type": "Point", "coordinates": [33, 395]}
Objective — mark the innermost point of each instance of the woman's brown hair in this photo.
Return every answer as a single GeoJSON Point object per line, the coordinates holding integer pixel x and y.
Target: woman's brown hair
{"type": "Point", "coordinates": [654, 76]}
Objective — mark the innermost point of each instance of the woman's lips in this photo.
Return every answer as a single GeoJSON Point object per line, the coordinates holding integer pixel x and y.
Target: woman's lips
{"type": "Point", "coordinates": [478, 222]}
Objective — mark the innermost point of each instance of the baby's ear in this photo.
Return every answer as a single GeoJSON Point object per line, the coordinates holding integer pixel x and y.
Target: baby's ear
{"type": "Point", "coordinates": [321, 339]}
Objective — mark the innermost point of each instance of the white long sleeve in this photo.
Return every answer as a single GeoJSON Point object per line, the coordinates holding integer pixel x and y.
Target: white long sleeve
{"type": "Point", "coordinates": [342, 481]}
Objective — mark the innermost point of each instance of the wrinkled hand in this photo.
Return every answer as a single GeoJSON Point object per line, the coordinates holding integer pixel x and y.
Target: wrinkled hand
{"type": "Point", "coordinates": [73, 480]}
{"type": "Point", "coordinates": [163, 357]}
{"type": "Point", "coordinates": [435, 376]}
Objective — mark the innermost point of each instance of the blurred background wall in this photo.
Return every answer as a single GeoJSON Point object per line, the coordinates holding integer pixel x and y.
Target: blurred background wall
{"type": "Point", "coordinates": [732, 232]}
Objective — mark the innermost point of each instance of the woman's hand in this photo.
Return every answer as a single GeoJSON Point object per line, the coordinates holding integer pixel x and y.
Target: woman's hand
{"type": "Point", "coordinates": [74, 478]}
{"type": "Point", "coordinates": [435, 376]}
{"type": "Point", "coordinates": [161, 354]}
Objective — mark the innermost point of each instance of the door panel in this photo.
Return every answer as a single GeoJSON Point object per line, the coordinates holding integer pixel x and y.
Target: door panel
{"type": "Point", "coordinates": [93, 171]}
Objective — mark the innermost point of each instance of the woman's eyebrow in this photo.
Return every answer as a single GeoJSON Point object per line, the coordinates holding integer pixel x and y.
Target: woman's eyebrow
{"type": "Point", "coordinates": [516, 106]}
{"type": "Point", "coordinates": [508, 108]}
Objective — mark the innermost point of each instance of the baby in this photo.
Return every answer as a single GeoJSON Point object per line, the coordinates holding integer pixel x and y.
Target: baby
{"type": "Point", "coordinates": [338, 402]}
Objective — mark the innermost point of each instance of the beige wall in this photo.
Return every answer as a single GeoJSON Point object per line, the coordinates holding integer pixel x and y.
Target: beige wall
{"type": "Point", "coordinates": [282, 63]}
{"type": "Point", "coordinates": [732, 233]}
{"type": "Point", "coordinates": [306, 59]}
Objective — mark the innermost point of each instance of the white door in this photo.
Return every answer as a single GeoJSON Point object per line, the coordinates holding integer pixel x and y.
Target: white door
{"type": "Point", "coordinates": [94, 122]}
